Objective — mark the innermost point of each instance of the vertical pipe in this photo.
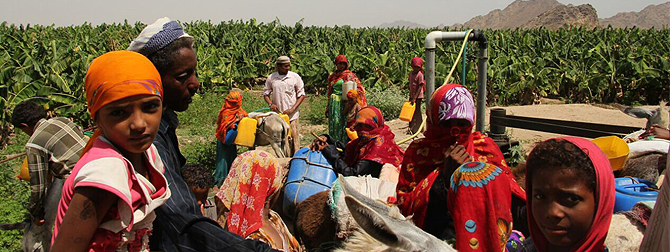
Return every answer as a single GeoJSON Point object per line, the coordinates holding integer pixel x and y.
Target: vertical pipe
{"type": "Point", "coordinates": [496, 127]}
{"type": "Point", "coordinates": [429, 75]}
{"type": "Point", "coordinates": [481, 86]}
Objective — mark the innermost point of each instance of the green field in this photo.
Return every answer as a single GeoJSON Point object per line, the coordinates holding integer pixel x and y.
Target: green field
{"type": "Point", "coordinates": [48, 64]}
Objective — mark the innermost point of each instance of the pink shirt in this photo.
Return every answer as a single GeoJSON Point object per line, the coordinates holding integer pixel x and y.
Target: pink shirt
{"type": "Point", "coordinates": [416, 84]}
{"type": "Point", "coordinates": [285, 90]}
{"type": "Point", "coordinates": [128, 222]}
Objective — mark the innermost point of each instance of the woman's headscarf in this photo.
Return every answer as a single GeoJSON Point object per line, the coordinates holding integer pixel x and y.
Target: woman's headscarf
{"type": "Point", "coordinates": [230, 109]}
{"type": "Point", "coordinates": [346, 75]}
{"type": "Point", "coordinates": [604, 196]}
{"type": "Point", "coordinates": [117, 75]}
{"type": "Point", "coordinates": [418, 62]}
{"type": "Point", "coordinates": [156, 36]}
{"type": "Point", "coordinates": [253, 178]}
{"type": "Point", "coordinates": [424, 158]}
{"type": "Point", "coordinates": [376, 145]}
{"type": "Point", "coordinates": [479, 200]}
{"type": "Point", "coordinates": [342, 59]}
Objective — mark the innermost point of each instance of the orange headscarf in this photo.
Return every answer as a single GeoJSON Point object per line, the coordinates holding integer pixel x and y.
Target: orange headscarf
{"type": "Point", "coordinates": [230, 109]}
{"type": "Point", "coordinates": [117, 75]}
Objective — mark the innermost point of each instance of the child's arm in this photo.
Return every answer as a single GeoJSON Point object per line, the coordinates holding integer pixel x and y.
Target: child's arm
{"type": "Point", "coordinates": [87, 208]}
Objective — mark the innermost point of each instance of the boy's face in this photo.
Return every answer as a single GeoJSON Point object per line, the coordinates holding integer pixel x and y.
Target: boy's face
{"type": "Point", "coordinates": [563, 205]}
{"type": "Point", "coordinates": [200, 194]}
{"type": "Point", "coordinates": [131, 123]}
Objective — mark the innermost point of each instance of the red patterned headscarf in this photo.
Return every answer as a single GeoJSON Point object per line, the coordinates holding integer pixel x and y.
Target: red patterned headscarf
{"type": "Point", "coordinates": [424, 158]}
{"type": "Point", "coordinates": [377, 144]}
{"type": "Point", "coordinates": [253, 178]}
{"type": "Point", "coordinates": [230, 109]}
{"type": "Point", "coordinates": [604, 196]}
{"type": "Point", "coordinates": [418, 62]}
{"type": "Point", "coordinates": [479, 200]}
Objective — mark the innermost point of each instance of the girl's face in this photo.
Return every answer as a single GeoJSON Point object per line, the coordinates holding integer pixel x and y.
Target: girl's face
{"type": "Point", "coordinates": [341, 66]}
{"type": "Point", "coordinates": [563, 206]}
{"type": "Point", "coordinates": [361, 129]}
{"type": "Point", "coordinates": [416, 69]}
{"type": "Point", "coordinates": [131, 123]}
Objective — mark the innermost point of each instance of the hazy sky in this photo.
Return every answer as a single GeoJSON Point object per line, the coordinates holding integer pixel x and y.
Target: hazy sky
{"type": "Point", "coordinates": [315, 12]}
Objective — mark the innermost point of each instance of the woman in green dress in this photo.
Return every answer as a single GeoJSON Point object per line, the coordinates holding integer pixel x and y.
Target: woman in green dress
{"type": "Point", "coordinates": [335, 109]}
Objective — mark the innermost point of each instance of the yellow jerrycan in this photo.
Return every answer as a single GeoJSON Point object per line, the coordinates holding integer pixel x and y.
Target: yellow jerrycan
{"type": "Point", "coordinates": [352, 134]}
{"type": "Point", "coordinates": [246, 132]}
{"type": "Point", "coordinates": [24, 174]}
{"type": "Point", "coordinates": [286, 119]}
{"type": "Point", "coordinates": [407, 111]}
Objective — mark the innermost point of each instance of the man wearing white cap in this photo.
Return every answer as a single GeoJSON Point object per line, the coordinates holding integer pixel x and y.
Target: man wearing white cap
{"type": "Point", "coordinates": [179, 224]}
{"type": "Point", "coordinates": [284, 92]}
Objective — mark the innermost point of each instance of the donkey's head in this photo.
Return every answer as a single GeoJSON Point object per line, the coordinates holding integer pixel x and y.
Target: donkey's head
{"type": "Point", "coordinates": [654, 116]}
{"type": "Point", "coordinates": [388, 226]}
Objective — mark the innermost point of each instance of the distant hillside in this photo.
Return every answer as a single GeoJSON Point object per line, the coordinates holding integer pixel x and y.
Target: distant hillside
{"type": "Point", "coordinates": [651, 16]}
{"type": "Point", "coordinates": [562, 15]}
{"type": "Point", "coordinates": [514, 15]}
{"type": "Point", "coordinates": [552, 14]}
{"type": "Point", "coordinates": [401, 23]}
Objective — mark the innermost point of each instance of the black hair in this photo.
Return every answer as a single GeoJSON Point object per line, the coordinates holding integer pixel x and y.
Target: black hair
{"type": "Point", "coordinates": [164, 58]}
{"type": "Point", "coordinates": [561, 154]}
{"type": "Point", "coordinates": [197, 175]}
{"type": "Point", "coordinates": [27, 112]}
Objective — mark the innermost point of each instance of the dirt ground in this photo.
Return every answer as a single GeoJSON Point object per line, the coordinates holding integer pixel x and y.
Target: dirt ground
{"type": "Point", "coordinates": [575, 112]}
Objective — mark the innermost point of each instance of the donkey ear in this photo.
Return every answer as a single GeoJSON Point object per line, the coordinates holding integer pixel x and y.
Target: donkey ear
{"type": "Point", "coordinates": [372, 222]}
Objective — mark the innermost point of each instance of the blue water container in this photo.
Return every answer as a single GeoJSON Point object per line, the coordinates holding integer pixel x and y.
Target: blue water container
{"type": "Point", "coordinates": [231, 134]}
{"type": "Point", "coordinates": [309, 174]}
{"type": "Point", "coordinates": [630, 191]}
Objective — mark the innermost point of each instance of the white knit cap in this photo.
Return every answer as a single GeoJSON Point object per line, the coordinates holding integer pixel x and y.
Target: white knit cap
{"type": "Point", "coordinates": [156, 36]}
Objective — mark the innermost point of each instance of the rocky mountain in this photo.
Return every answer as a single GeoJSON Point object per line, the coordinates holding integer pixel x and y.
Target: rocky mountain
{"type": "Point", "coordinates": [565, 15]}
{"type": "Point", "coordinates": [514, 15]}
{"type": "Point", "coordinates": [553, 15]}
{"type": "Point", "coordinates": [651, 16]}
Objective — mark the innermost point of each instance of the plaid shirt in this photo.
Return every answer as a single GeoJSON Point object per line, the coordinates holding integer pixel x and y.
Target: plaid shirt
{"type": "Point", "coordinates": [53, 149]}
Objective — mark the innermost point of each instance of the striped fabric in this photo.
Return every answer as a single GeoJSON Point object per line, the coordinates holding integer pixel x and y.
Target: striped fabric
{"type": "Point", "coordinates": [53, 148]}
{"type": "Point", "coordinates": [657, 235]}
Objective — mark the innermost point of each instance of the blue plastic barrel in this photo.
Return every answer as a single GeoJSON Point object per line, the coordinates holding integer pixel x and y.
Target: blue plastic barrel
{"type": "Point", "coordinates": [309, 174]}
{"type": "Point", "coordinates": [630, 191]}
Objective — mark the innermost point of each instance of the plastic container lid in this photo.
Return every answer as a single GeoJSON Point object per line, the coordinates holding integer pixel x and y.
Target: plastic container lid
{"type": "Point", "coordinates": [615, 148]}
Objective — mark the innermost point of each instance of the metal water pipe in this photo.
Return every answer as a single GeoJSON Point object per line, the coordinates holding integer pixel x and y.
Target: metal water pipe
{"type": "Point", "coordinates": [437, 36]}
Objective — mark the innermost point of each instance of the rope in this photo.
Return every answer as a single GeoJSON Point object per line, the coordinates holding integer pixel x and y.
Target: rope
{"type": "Point", "coordinates": [465, 41]}
{"type": "Point", "coordinates": [464, 62]}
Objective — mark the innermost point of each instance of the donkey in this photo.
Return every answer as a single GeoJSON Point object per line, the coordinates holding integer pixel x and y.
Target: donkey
{"type": "Point", "coordinates": [654, 116]}
{"type": "Point", "coordinates": [384, 228]}
{"type": "Point", "coordinates": [272, 130]}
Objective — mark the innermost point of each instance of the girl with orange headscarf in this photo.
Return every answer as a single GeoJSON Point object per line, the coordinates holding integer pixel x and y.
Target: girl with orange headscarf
{"type": "Point", "coordinates": [429, 162]}
{"type": "Point", "coordinates": [108, 200]}
{"type": "Point", "coordinates": [231, 113]}
{"type": "Point", "coordinates": [251, 188]}
{"type": "Point", "coordinates": [335, 111]}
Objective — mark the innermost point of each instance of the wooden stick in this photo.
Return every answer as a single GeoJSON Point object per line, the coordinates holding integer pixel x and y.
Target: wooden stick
{"type": "Point", "coordinates": [12, 157]}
